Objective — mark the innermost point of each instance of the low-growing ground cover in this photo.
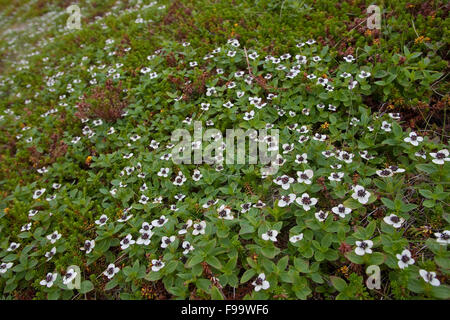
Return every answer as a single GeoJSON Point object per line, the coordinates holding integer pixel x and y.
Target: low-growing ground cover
{"type": "Point", "coordinates": [94, 207]}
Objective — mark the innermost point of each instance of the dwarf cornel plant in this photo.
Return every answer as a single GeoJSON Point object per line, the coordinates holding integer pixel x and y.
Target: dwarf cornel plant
{"type": "Point", "coordinates": [92, 205]}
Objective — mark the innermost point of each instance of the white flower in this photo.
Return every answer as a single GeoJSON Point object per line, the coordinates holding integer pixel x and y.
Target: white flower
{"type": "Point", "coordinates": [245, 207]}
{"type": "Point", "coordinates": [126, 242]}
{"type": "Point", "coordinates": [166, 241]}
{"type": "Point", "coordinates": [249, 115]}
{"type": "Point", "coordinates": [413, 138]}
{"type": "Point", "coordinates": [54, 237]}
{"type": "Point", "coordinates": [336, 176]}
{"type": "Point", "coordinates": [157, 265]}
{"type": "Point", "coordinates": [179, 196]}
{"type": "Point", "coordinates": [421, 154]}
{"type": "Point", "coordinates": [394, 220]}
{"type": "Point", "coordinates": [279, 160]}
{"type": "Point", "coordinates": [440, 157]}
{"type": "Point", "coordinates": [430, 277]}
{"type": "Point", "coordinates": [187, 247]}
{"type": "Point", "coordinates": [5, 266]}
{"type": "Point", "coordinates": [102, 220]}
{"type": "Point", "coordinates": [124, 217]}
{"type": "Point", "coordinates": [88, 246]}
{"type": "Point", "coordinates": [286, 200]}
{"type": "Point", "coordinates": [321, 215]}
{"type": "Point", "coordinates": [385, 172]}
{"type": "Point", "coordinates": [305, 176]}
{"type": "Point", "coordinates": [341, 211]}
{"type": "Point", "coordinates": [225, 213]}
{"type": "Point", "coordinates": [163, 172]}
{"type": "Point", "coordinates": [179, 179]}
{"type": "Point", "coordinates": [363, 74]}
{"type": "Point", "coordinates": [144, 199]}
{"type": "Point", "coordinates": [111, 271]}
{"type": "Point", "coordinates": [284, 181]}
{"type": "Point", "coordinates": [296, 238]}
{"type": "Point", "coordinates": [327, 153]}
{"type": "Point", "coordinates": [345, 156]}
{"type": "Point", "coordinates": [349, 58]}
{"type": "Point", "coordinates": [209, 203]}
{"type": "Point", "coordinates": [154, 144]}
{"type": "Point", "coordinates": [386, 126]}
{"type": "Point", "coordinates": [261, 282]}
{"type": "Point", "coordinates": [144, 239]}
{"type": "Point", "coordinates": [363, 247]}
{"type": "Point", "coordinates": [360, 194]}
{"type": "Point", "coordinates": [38, 193]}
{"type": "Point", "coordinates": [145, 227]}
{"type": "Point", "coordinates": [396, 169]}
{"type": "Point", "coordinates": [301, 158]}
{"type": "Point", "coordinates": [49, 254]}
{"type": "Point", "coordinates": [197, 175]}
{"type": "Point", "coordinates": [26, 227]}
{"type": "Point", "coordinates": [159, 222]}
{"type": "Point", "coordinates": [270, 235]}
{"type": "Point", "coordinates": [69, 276]}
{"type": "Point", "coordinates": [404, 259]}
{"type": "Point", "coordinates": [199, 228]}
{"type": "Point", "coordinates": [443, 237]}
{"type": "Point", "coordinates": [306, 201]}
{"type": "Point", "coordinates": [352, 85]}
{"type": "Point", "coordinates": [49, 279]}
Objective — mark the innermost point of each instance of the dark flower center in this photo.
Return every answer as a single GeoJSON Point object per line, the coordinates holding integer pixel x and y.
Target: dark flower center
{"type": "Point", "coordinates": [395, 219]}
{"type": "Point", "coordinates": [361, 193]}
{"type": "Point", "coordinates": [440, 155]}
{"type": "Point", "coordinates": [405, 258]}
{"type": "Point", "coordinates": [306, 200]}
